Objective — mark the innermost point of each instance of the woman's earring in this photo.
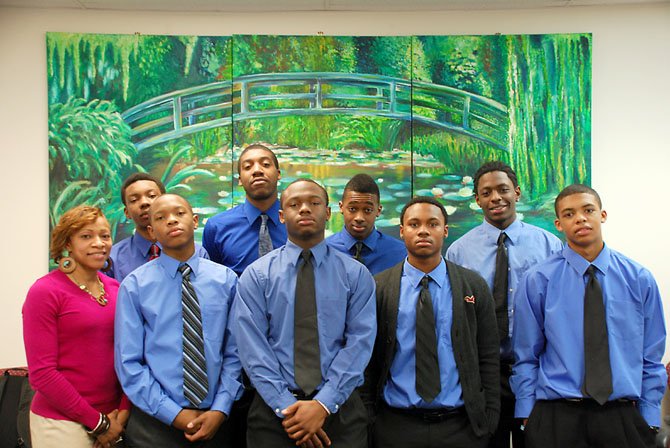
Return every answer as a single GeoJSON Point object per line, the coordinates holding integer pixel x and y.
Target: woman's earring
{"type": "Point", "coordinates": [66, 264]}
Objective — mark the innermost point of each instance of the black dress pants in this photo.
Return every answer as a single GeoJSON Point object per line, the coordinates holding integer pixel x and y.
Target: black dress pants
{"type": "Point", "coordinates": [347, 428]}
{"type": "Point", "coordinates": [586, 424]}
{"type": "Point", "coordinates": [394, 429]}
{"type": "Point", "coordinates": [507, 424]}
{"type": "Point", "coordinates": [144, 431]}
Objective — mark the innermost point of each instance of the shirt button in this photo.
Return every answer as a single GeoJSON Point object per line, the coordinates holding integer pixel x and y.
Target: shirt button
{"type": "Point", "coordinates": [337, 406]}
{"type": "Point", "coordinates": [277, 411]}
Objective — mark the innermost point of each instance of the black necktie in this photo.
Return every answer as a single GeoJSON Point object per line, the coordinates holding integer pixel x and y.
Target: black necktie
{"type": "Point", "coordinates": [307, 361]}
{"type": "Point", "coordinates": [427, 367]}
{"type": "Point", "coordinates": [597, 370]}
{"type": "Point", "coordinates": [195, 367]}
{"type": "Point", "coordinates": [358, 249]}
{"type": "Point", "coordinates": [264, 240]}
{"type": "Point", "coordinates": [500, 285]}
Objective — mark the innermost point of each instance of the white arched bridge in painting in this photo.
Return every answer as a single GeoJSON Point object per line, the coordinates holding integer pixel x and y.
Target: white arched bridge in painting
{"type": "Point", "coordinates": [176, 114]}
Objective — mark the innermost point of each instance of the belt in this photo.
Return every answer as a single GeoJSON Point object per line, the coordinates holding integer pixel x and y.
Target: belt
{"type": "Point", "coordinates": [300, 395]}
{"type": "Point", "coordinates": [591, 401]}
{"type": "Point", "coordinates": [428, 415]}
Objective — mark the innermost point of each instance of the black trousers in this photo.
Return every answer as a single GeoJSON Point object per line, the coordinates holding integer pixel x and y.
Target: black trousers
{"type": "Point", "coordinates": [507, 424]}
{"type": "Point", "coordinates": [348, 428]}
{"type": "Point", "coordinates": [393, 429]}
{"type": "Point", "coordinates": [238, 418]}
{"type": "Point", "coordinates": [586, 424]}
{"type": "Point", "coordinates": [144, 431]}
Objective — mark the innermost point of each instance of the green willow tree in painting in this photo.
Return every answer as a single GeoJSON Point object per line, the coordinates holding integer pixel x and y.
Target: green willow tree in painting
{"type": "Point", "coordinates": [94, 77]}
{"type": "Point", "coordinates": [545, 82]}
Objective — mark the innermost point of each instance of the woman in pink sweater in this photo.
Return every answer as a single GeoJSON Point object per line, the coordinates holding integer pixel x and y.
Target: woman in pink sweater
{"type": "Point", "coordinates": [68, 331]}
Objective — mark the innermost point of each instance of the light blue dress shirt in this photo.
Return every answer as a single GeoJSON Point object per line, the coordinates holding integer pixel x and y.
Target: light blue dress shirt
{"type": "Point", "coordinates": [231, 237]}
{"type": "Point", "coordinates": [263, 315]}
{"type": "Point", "coordinates": [132, 252]}
{"type": "Point", "coordinates": [379, 252]}
{"type": "Point", "coordinates": [526, 245]}
{"type": "Point", "coordinates": [400, 389]}
{"type": "Point", "coordinates": [549, 332]}
{"type": "Point", "coordinates": [148, 332]}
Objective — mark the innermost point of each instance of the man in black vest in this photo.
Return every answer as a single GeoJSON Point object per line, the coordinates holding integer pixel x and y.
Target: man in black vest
{"type": "Point", "coordinates": [433, 380]}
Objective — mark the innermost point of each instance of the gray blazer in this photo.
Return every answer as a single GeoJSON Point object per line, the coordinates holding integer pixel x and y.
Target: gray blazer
{"type": "Point", "coordinates": [474, 337]}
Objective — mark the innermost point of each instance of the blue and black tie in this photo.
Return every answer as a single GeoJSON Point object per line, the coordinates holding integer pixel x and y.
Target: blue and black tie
{"type": "Point", "coordinates": [195, 367]}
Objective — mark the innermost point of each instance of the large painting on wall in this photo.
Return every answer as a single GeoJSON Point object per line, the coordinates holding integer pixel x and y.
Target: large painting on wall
{"type": "Point", "coordinates": [418, 113]}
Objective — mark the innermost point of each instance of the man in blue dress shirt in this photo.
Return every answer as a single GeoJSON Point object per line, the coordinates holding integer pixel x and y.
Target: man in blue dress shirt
{"type": "Point", "coordinates": [150, 349]}
{"type": "Point", "coordinates": [497, 192]}
{"type": "Point", "coordinates": [458, 404]}
{"type": "Point", "coordinates": [283, 414]}
{"type": "Point", "coordinates": [563, 403]}
{"type": "Point", "coordinates": [232, 237]}
{"type": "Point", "coordinates": [138, 192]}
{"type": "Point", "coordinates": [359, 238]}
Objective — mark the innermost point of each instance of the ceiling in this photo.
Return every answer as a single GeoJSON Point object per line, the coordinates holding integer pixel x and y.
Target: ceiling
{"type": "Point", "coordinates": [308, 5]}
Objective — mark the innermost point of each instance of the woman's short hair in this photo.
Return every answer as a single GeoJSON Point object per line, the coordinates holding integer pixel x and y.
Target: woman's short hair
{"type": "Point", "coordinates": [70, 223]}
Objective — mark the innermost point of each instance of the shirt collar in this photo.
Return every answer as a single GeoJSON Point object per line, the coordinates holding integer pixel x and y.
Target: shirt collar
{"type": "Point", "coordinates": [581, 264]}
{"type": "Point", "coordinates": [370, 242]}
{"type": "Point", "coordinates": [171, 265]}
{"type": "Point", "coordinates": [319, 252]}
{"type": "Point", "coordinates": [414, 275]}
{"type": "Point", "coordinates": [142, 244]}
{"type": "Point", "coordinates": [513, 231]}
{"type": "Point", "coordinates": [252, 213]}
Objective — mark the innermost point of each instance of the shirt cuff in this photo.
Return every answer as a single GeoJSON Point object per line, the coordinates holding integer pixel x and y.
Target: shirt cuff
{"type": "Point", "coordinates": [523, 407]}
{"type": "Point", "coordinates": [167, 412]}
{"type": "Point", "coordinates": [329, 398]}
{"type": "Point", "coordinates": [651, 414]}
{"type": "Point", "coordinates": [284, 400]}
{"type": "Point", "coordinates": [222, 402]}
{"type": "Point", "coordinates": [323, 406]}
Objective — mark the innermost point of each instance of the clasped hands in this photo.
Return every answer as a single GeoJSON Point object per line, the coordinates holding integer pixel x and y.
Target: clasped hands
{"type": "Point", "coordinates": [117, 422]}
{"type": "Point", "coordinates": [197, 424]}
{"type": "Point", "coordinates": [303, 422]}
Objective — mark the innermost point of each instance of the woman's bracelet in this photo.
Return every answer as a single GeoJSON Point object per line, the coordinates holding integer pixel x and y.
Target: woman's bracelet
{"type": "Point", "coordinates": [101, 428]}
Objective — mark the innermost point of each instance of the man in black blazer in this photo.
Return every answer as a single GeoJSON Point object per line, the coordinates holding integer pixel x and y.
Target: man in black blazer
{"type": "Point", "coordinates": [434, 377]}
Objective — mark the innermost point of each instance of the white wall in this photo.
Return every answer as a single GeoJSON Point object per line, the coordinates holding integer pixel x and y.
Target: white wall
{"type": "Point", "coordinates": [631, 96]}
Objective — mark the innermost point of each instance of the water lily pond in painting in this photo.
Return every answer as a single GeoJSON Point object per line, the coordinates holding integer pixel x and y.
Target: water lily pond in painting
{"type": "Point", "coordinates": [391, 170]}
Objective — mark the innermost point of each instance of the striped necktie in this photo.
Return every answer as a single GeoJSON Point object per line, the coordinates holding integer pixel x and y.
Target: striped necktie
{"type": "Point", "coordinates": [195, 367]}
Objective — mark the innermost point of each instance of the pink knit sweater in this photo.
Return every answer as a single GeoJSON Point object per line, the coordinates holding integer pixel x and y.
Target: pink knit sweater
{"type": "Point", "coordinates": [69, 342]}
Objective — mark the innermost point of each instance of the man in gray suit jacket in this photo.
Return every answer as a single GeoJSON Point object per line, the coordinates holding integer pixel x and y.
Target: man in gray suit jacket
{"type": "Point", "coordinates": [434, 376]}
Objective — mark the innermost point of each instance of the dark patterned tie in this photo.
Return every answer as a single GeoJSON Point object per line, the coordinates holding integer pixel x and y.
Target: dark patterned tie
{"type": "Point", "coordinates": [195, 367]}
{"type": "Point", "coordinates": [154, 252]}
{"type": "Point", "coordinates": [427, 366]}
{"type": "Point", "coordinates": [597, 370]}
{"type": "Point", "coordinates": [358, 248]}
{"type": "Point", "coordinates": [264, 240]}
{"type": "Point", "coordinates": [500, 286]}
{"type": "Point", "coordinates": [307, 360]}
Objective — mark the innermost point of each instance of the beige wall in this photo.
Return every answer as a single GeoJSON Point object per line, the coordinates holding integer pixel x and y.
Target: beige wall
{"type": "Point", "coordinates": [631, 99]}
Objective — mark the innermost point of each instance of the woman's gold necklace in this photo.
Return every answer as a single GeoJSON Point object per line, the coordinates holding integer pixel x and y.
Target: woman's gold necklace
{"type": "Point", "coordinates": [100, 298]}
